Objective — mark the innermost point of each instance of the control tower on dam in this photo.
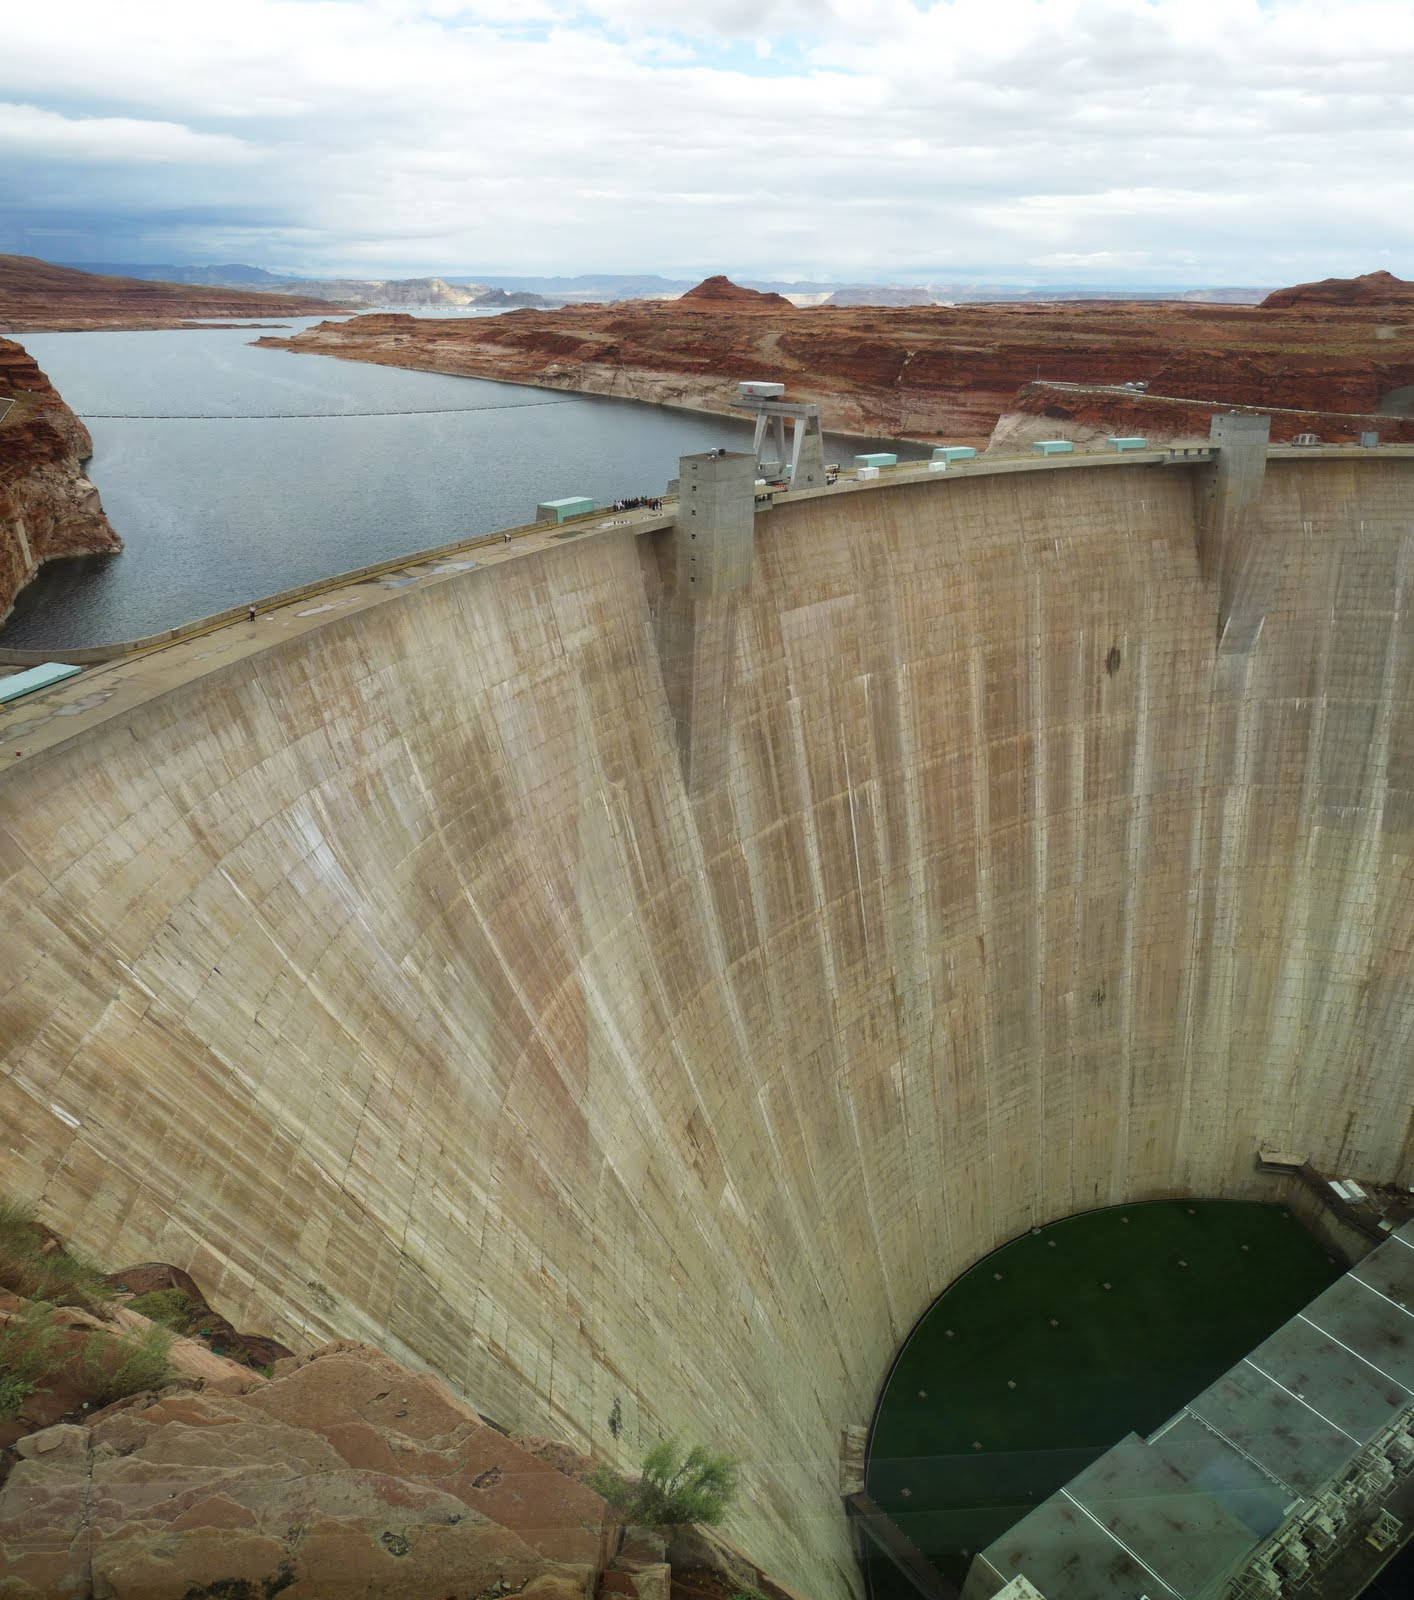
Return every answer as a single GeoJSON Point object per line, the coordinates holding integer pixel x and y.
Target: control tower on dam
{"type": "Point", "coordinates": [629, 997]}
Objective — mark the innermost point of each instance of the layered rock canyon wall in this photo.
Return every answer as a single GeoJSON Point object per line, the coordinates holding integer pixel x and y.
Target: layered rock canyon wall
{"type": "Point", "coordinates": [48, 507]}
{"type": "Point", "coordinates": [391, 982]}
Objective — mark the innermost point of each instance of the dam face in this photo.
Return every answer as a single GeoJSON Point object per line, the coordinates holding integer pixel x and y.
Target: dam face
{"type": "Point", "coordinates": [392, 982]}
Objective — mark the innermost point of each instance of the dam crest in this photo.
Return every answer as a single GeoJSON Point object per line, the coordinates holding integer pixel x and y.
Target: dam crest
{"type": "Point", "coordinates": [620, 1001]}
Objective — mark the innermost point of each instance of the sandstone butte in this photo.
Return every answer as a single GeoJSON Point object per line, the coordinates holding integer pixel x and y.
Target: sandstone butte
{"type": "Point", "coordinates": [1341, 353]}
{"type": "Point", "coordinates": [48, 507]}
{"type": "Point", "coordinates": [39, 295]}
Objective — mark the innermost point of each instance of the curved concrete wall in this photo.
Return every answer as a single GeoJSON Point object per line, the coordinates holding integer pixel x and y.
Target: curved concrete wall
{"type": "Point", "coordinates": [398, 990]}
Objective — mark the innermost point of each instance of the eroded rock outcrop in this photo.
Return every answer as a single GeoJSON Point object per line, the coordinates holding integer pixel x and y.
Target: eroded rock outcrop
{"type": "Point", "coordinates": [926, 371]}
{"type": "Point", "coordinates": [333, 1474]}
{"type": "Point", "coordinates": [48, 507]}
{"type": "Point", "coordinates": [344, 1474]}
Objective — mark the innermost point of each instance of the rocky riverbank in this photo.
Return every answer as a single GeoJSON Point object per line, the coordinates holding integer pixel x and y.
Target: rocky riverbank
{"type": "Point", "coordinates": [48, 507]}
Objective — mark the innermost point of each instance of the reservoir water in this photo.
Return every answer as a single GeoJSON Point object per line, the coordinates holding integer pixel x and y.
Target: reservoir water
{"type": "Point", "coordinates": [215, 513]}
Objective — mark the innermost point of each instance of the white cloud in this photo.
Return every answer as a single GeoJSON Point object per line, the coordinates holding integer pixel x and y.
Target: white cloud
{"type": "Point", "coordinates": [1212, 140]}
{"type": "Point", "coordinates": [26, 131]}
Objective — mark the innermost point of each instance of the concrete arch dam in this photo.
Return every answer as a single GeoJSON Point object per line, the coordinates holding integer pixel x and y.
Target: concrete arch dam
{"type": "Point", "coordinates": [394, 981]}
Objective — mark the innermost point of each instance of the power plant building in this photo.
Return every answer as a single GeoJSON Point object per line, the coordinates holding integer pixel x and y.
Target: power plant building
{"type": "Point", "coordinates": [1272, 1472]}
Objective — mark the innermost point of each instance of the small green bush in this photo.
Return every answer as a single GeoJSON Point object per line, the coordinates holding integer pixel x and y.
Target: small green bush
{"type": "Point", "coordinates": [171, 1307]}
{"type": "Point", "coordinates": [19, 1244]}
{"type": "Point", "coordinates": [26, 1353]}
{"type": "Point", "coordinates": [14, 1392]}
{"type": "Point", "coordinates": [15, 1217]}
{"type": "Point", "coordinates": [674, 1488]}
{"type": "Point", "coordinates": [27, 1344]}
{"type": "Point", "coordinates": [112, 1368]}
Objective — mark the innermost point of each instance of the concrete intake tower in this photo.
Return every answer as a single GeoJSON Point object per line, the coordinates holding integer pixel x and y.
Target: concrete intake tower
{"type": "Point", "coordinates": [639, 975]}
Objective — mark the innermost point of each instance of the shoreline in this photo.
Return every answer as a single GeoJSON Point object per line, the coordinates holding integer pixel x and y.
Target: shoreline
{"type": "Point", "coordinates": [142, 325]}
{"type": "Point", "coordinates": [923, 441]}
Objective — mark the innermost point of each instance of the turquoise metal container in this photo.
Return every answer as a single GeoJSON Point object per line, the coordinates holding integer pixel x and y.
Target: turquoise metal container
{"type": "Point", "coordinates": [33, 678]}
{"type": "Point", "coordinates": [575, 505]}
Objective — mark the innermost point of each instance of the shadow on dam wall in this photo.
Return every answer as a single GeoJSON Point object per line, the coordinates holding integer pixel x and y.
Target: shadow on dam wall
{"type": "Point", "coordinates": [390, 982]}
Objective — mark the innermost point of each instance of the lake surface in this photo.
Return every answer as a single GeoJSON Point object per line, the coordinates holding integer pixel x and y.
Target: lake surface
{"type": "Point", "coordinates": [221, 512]}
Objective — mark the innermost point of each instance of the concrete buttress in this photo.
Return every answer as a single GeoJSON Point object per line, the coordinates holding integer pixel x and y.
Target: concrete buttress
{"type": "Point", "coordinates": [709, 568]}
{"type": "Point", "coordinates": [1231, 543]}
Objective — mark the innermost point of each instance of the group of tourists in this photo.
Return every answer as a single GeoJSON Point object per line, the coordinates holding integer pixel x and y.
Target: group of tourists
{"type": "Point", "coordinates": [639, 502]}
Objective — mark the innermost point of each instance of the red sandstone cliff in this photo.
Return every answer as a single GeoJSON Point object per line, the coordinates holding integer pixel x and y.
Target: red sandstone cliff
{"type": "Point", "coordinates": [941, 371]}
{"type": "Point", "coordinates": [36, 294]}
{"type": "Point", "coordinates": [48, 507]}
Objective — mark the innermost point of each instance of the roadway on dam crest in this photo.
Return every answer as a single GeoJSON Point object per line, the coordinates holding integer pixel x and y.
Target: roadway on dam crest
{"type": "Point", "coordinates": [387, 977]}
{"type": "Point", "coordinates": [133, 673]}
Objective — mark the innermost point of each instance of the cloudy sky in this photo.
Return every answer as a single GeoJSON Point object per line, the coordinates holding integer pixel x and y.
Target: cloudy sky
{"type": "Point", "coordinates": [1087, 141]}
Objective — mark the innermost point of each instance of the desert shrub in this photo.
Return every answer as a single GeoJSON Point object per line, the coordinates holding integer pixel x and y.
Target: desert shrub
{"type": "Point", "coordinates": [111, 1368]}
{"type": "Point", "coordinates": [14, 1391]}
{"type": "Point", "coordinates": [65, 1278]}
{"type": "Point", "coordinates": [26, 1355]}
{"type": "Point", "coordinates": [675, 1487]}
{"type": "Point", "coordinates": [15, 1217]}
{"type": "Point", "coordinates": [62, 1277]}
{"type": "Point", "coordinates": [171, 1307]}
{"type": "Point", "coordinates": [19, 1243]}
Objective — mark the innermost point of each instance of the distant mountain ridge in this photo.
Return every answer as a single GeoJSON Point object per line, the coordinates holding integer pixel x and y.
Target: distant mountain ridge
{"type": "Point", "coordinates": [233, 276]}
{"type": "Point", "coordinates": [355, 292]}
{"type": "Point", "coordinates": [502, 290]}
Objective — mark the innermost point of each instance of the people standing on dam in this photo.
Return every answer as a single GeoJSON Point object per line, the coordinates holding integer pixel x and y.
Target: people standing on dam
{"type": "Point", "coordinates": [252, 612]}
